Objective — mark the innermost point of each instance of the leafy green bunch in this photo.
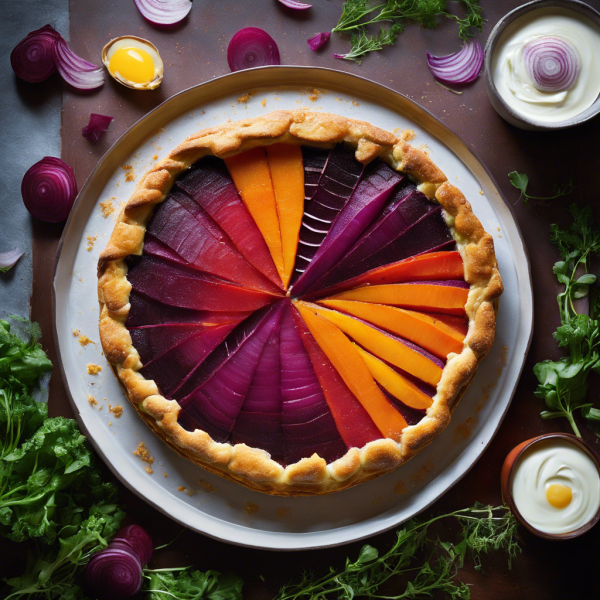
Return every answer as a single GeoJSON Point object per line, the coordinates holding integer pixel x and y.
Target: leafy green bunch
{"type": "Point", "coordinates": [482, 529]}
{"type": "Point", "coordinates": [563, 384]}
{"type": "Point", "coordinates": [358, 14]}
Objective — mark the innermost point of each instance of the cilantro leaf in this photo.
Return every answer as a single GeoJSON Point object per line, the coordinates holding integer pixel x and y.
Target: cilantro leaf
{"type": "Point", "coordinates": [192, 585]}
{"type": "Point", "coordinates": [521, 181]}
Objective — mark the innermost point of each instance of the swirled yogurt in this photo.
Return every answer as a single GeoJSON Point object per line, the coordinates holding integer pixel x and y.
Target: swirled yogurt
{"type": "Point", "coordinates": [511, 71]}
{"type": "Point", "coordinates": [556, 486]}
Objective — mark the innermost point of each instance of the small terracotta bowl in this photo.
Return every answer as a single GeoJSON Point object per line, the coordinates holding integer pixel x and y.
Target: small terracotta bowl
{"type": "Point", "coordinates": [502, 108]}
{"type": "Point", "coordinates": [507, 474]}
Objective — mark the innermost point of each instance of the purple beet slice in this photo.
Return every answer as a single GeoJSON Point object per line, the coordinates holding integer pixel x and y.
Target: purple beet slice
{"type": "Point", "coordinates": [199, 241]}
{"type": "Point", "coordinates": [411, 415]}
{"type": "Point", "coordinates": [152, 340]}
{"type": "Point", "coordinates": [314, 160]}
{"type": "Point", "coordinates": [308, 425]}
{"type": "Point", "coordinates": [258, 424]}
{"type": "Point", "coordinates": [145, 311]}
{"type": "Point", "coordinates": [170, 368]}
{"type": "Point", "coordinates": [369, 197]}
{"type": "Point", "coordinates": [215, 405]}
{"type": "Point", "coordinates": [338, 181]}
{"type": "Point", "coordinates": [179, 286]}
{"type": "Point", "coordinates": [210, 185]}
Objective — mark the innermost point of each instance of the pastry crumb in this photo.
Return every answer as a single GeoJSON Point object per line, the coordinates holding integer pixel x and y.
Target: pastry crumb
{"type": "Point", "coordinates": [181, 488]}
{"type": "Point", "coordinates": [408, 135]}
{"type": "Point", "coordinates": [243, 98]}
{"type": "Point", "coordinates": [107, 208]}
{"type": "Point", "coordinates": [251, 508]}
{"type": "Point", "coordinates": [400, 489]}
{"type": "Point", "coordinates": [165, 475]}
{"type": "Point", "coordinates": [481, 192]}
{"type": "Point", "coordinates": [92, 400]}
{"type": "Point", "coordinates": [91, 240]}
{"type": "Point", "coordinates": [116, 410]}
{"type": "Point", "coordinates": [145, 456]}
{"type": "Point", "coordinates": [76, 332]}
{"type": "Point", "coordinates": [93, 369]}
{"type": "Point", "coordinates": [129, 172]}
{"type": "Point", "coordinates": [155, 157]}
{"type": "Point", "coordinates": [264, 102]}
{"type": "Point", "coordinates": [207, 487]}
{"type": "Point", "coordinates": [424, 148]}
{"type": "Point", "coordinates": [315, 94]}
{"type": "Point", "coordinates": [84, 340]}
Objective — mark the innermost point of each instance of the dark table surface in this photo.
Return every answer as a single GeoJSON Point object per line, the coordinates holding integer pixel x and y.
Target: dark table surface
{"type": "Point", "coordinates": [196, 52]}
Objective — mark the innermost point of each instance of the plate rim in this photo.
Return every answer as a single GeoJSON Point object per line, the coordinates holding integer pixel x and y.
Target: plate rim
{"type": "Point", "coordinates": [274, 547]}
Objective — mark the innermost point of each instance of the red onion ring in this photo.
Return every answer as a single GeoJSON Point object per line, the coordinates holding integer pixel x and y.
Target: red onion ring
{"type": "Point", "coordinates": [49, 189]}
{"type": "Point", "coordinates": [32, 59]}
{"type": "Point", "coordinates": [319, 40]}
{"type": "Point", "coordinates": [9, 259]}
{"type": "Point", "coordinates": [114, 573]}
{"type": "Point", "coordinates": [252, 47]}
{"type": "Point", "coordinates": [164, 13]}
{"type": "Point", "coordinates": [76, 71]}
{"type": "Point", "coordinates": [294, 5]}
{"type": "Point", "coordinates": [461, 67]}
{"type": "Point", "coordinates": [96, 127]}
{"type": "Point", "coordinates": [551, 63]}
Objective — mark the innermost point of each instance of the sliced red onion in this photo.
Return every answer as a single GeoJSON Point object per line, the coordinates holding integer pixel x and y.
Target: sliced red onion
{"type": "Point", "coordinates": [32, 59]}
{"type": "Point", "coordinates": [551, 63]}
{"type": "Point", "coordinates": [76, 71]}
{"type": "Point", "coordinates": [114, 573]}
{"type": "Point", "coordinates": [49, 189]}
{"type": "Point", "coordinates": [9, 259]}
{"type": "Point", "coordinates": [462, 67]}
{"type": "Point", "coordinates": [138, 539]}
{"type": "Point", "coordinates": [295, 5]}
{"type": "Point", "coordinates": [96, 127]}
{"type": "Point", "coordinates": [252, 47]}
{"type": "Point", "coordinates": [164, 13]}
{"type": "Point", "coordinates": [318, 41]}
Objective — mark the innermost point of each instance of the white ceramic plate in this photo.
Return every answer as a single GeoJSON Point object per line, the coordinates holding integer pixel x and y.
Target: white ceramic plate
{"type": "Point", "coordinates": [212, 505]}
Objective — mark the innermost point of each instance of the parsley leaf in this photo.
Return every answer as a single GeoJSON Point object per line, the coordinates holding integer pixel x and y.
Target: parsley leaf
{"type": "Point", "coordinates": [521, 181]}
{"type": "Point", "coordinates": [164, 584]}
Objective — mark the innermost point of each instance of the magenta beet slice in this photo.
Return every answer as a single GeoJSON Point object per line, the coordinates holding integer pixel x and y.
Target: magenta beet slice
{"type": "Point", "coordinates": [374, 189]}
{"type": "Point", "coordinates": [210, 185]}
{"type": "Point", "coordinates": [338, 181]}
{"type": "Point", "coordinates": [258, 424]}
{"type": "Point", "coordinates": [152, 340]}
{"type": "Point", "coordinates": [215, 405]}
{"type": "Point", "coordinates": [197, 239]}
{"type": "Point", "coordinates": [170, 368]}
{"type": "Point", "coordinates": [314, 160]}
{"type": "Point", "coordinates": [156, 249]}
{"type": "Point", "coordinates": [179, 286]}
{"type": "Point", "coordinates": [308, 425]}
{"type": "Point", "coordinates": [145, 311]}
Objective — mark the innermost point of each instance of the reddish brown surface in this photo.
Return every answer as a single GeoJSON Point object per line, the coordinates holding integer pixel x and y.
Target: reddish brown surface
{"type": "Point", "coordinates": [196, 52]}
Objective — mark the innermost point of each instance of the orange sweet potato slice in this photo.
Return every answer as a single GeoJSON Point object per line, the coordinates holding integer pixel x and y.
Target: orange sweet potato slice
{"type": "Point", "coordinates": [287, 174]}
{"type": "Point", "coordinates": [345, 358]}
{"type": "Point", "coordinates": [455, 327]}
{"type": "Point", "coordinates": [424, 330]}
{"type": "Point", "coordinates": [250, 173]}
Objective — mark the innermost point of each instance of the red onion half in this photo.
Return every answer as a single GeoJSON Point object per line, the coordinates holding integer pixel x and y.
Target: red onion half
{"type": "Point", "coordinates": [462, 67]}
{"type": "Point", "coordinates": [295, 5]}
{"type": "Point", "coordinates": [138, 539]}
{"type": "Point", "coordinates": [551, 63]}
{"type": "Point", "coordinates": [114, 573]}
{"type": "Point", "coordinates": [318, 41]}
{"type": "Point", "coordinates": [49, 190]}
{"type": "Point", "coordinates": [164, 13]}
{"type": "Point", "coordinates": [32, 58]}
{"type": "Point", "coordinates": [96, 127]}
{"type": "Point", "coordinates": [252, 47]}
{"type": "Point", "coordinates": [9, 259]}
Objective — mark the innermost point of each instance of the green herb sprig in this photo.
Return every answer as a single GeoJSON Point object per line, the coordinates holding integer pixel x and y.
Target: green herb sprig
{"type": "Point", "coordinates": [521, 182]}
{"type": "Point", "coordinates": [483, 529]}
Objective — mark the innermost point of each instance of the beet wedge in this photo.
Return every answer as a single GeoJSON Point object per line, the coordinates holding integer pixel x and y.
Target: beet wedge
{"type": "Point", "coordinates": [211, 187]}
{"type": "Point", "coordinates": [179, 286]}
{"type": "Point", "coordinates": [258, 424]}
{"type": "Point", "coordinates": [347, 361]}
{"type": "Point", "coordinates": [433, 265]}
{"type": "Point", "coordinates": [399, 352]}
{"type": "Point", "coordinates": [171, 367]}
{"type": "Point", "coordinates": [145, 311]}
{"type": "Point", "coordinates": [397, 385]}
{"type": "Point", "coordinates": [314, 160]}
{"type": "Point", "coordinates": [353, 422]}
{"type": "Point", "coordinates": [215, 405]}
{"type": "Point", "coordinates": [424, 330]}
{"type": "Point", "coordinates": [252, 177]}
{"type": "Point", "coordinates": [308, 425]}
{"type": "Point", "coordinates": [446, 297]}
{"type": "Point", "coordinates": [338, 181]}
{"type": "Point", "coordinates": [368, 199]}
{"type": "Point", "coordinates": [200, 242]}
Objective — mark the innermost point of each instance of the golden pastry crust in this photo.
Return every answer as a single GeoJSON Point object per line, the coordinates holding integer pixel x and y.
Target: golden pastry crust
{"type": "Point", "coordinates": [250, 466]}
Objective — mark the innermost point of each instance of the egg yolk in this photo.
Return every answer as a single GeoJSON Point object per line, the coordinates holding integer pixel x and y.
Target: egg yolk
{"type": "Point", "coordinates": [133, 64]}
{"type": "Point", "coordinates": [559, 495]}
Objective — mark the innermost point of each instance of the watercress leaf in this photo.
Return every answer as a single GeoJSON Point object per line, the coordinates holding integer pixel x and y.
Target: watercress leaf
{"type": "Point", "coordinates": [588, 279]}
{"type": "Point", "coordinates": [367, 554]}
{"type": "Point", "coordinates": [519, 180]}
{"type": "Point", "coordinates": [563, 279]}
{"type": "Point", "coordinates": [580, 291]}
{"type": "Point", "coordinates": [560, 267]}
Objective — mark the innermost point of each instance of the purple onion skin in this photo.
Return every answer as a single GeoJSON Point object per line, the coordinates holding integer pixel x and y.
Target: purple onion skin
{"type": "Point", "coordinates": [318, 41]}
{"type": "Point", "coordinates": [252, 47]}
{"type": "Point", "coordinates": [114, 573]}
{"type": "Point", "coordinates": [49, 190]}
{"type": "Point", "coordinates": [96, 127]}
{"type": "Point", "coordinates": [139, 539]}
{"type": "Point", "coordinates": [32, 58]}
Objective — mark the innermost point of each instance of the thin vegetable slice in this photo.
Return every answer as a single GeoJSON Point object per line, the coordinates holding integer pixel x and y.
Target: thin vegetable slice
{"type": "Point", "coordinates": [164, 13]}
{"type": "Point", "coordinates": [96, 127]}
{"type": "Point", "coordinates": [139, 540]}
{"type": "Point", "coordinates": [9, 259]}
{"type": "Point", "coordinates": [551, 63]}
{"type": "Point", "coordinates": [114, 573]}
{"type": "Point", "coordinates": [76, 71]}
{"type": "Point", "coordinates": [318, 41]}
{"type": "Point", "coordinates": [32, 58]}
{"type": "Point", "coordinates": [294, 4]}
{"type": "Point", "coordinates": [461, 67]}
{"type": "Point", "coordinates": [252, 47]}
{"type": "Point", "coordinates": [49, 189]}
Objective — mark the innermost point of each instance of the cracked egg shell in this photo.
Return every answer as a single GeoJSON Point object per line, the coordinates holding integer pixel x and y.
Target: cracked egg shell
{"type": "Point", "coordinates": [133, 62]}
